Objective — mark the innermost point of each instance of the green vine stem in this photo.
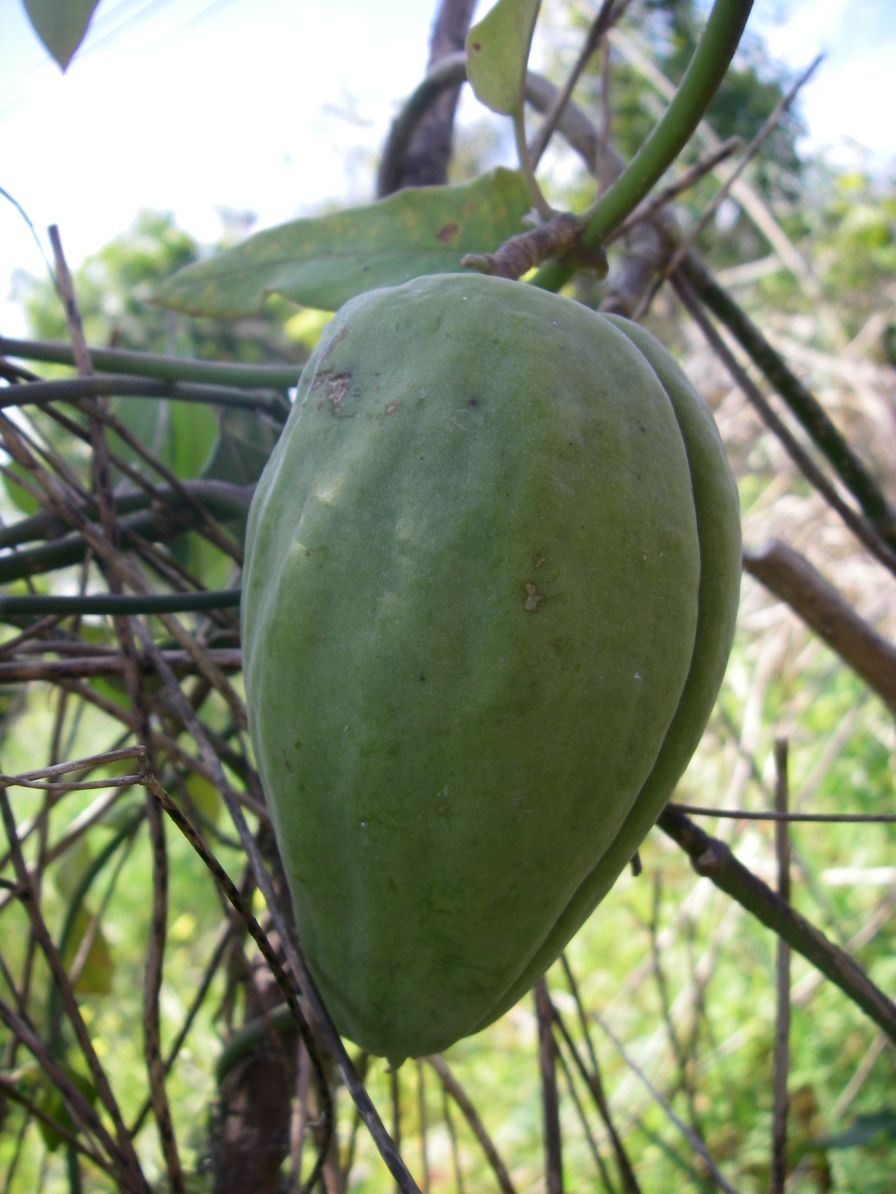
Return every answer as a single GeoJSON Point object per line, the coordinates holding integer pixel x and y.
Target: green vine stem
{"type": "Point", "coordinates": [35, 393]}
{"type": "Point", "coordinates": [221, 499]}
{"type": "Point", "coordinates": [145, 364]}
{"type": "Point", "coordinates": [705, 72]}
{"type": "Point", "coordinates": [120, 603]}
{"type": "Point", "coordinates": [155, 521]}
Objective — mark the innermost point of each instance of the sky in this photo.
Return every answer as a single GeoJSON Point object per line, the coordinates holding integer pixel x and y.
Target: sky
{"type": "Point", "coordinates": [277, 107]}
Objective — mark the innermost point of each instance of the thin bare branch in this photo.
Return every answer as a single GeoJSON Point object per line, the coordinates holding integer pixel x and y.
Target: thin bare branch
{"type": "Point", "coordinates": [594, 1082]}
{"type": "Point", "coordinates": [11, 1090]}
{"type": "Point", "coordinates": [86, 764]}
{"type": "Point", "coordinates": [152, 1029]}
{"type": "Point", "coordinates": [690, 177]}
{"type": "Point", "coordinates": [755, 144]}
{"type": "Point", "coordinates": [679, 1050]}
{"type": "Point", "coordinates": [714, 860]}
{"type": "Point", "coordinates": [605, 17]}
{"type": "Point", "coordinates": [782, 972]}
{"type": "Point", "coordinates": [123, 1152]}
{"type": "Point", "coordinates": [182, 664]}
{"type": "Point", "coordinates": [743, 814]}
{"type": "Point", "coordinates": [259, 937]}
{"type": "Point", "coordinates": [423, 1119]}
{"type": "Point", "coordinates": [77, 1104]}
{"type": "Point", "coordinates": [690, 1135]}
{"type": "Point", "coordinates": [470, 1114]}
{"type": "Point", "coordinates": [581, 1111]}
{"type": "Point", "coordinates": [878, 528]}
{"type": "Point", "coordinates": [550, 1101]}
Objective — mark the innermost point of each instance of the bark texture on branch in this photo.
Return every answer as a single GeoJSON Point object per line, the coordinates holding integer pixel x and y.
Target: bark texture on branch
{"type": "Point", "coordinates": [426, 163]}
{"type": "Point", "coordinates": [791, 577]}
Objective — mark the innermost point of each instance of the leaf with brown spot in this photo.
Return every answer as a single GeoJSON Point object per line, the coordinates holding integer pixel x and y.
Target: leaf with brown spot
{"type": "Point", "coordinates": [498, 51]}
{"type": "Point", "coordinates": [325, 261]}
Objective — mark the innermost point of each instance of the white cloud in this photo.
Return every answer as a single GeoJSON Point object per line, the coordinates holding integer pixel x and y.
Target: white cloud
{"type": "Point", "coordinates": [846, 106]}
{"type": "Point", "coordinates": [796, 32]}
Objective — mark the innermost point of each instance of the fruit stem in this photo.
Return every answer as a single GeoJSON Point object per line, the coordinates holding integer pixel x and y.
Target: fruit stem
{"type": "Point", "coordinates": [705, 72]}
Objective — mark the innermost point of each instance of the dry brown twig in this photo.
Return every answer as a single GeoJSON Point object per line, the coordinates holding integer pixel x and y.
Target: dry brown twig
{"type": "Point", "coordinates": [750, 151]}
{"type": "Point", "coordinates": [453, 1088]}
{"type": "Point", "coordinates": [550, 1099]}
{"type": "Point", "coordinates": [782, 972]}
{"type": "Point", "coordinates": [792, 578]}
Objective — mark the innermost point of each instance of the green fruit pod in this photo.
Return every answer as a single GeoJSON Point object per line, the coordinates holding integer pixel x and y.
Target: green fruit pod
{"type": "Point", "coordinates": [491, 580]}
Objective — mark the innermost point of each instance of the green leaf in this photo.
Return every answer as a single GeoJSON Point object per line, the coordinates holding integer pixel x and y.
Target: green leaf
{"type": "Point", "coordinates": [243, 446]}
{"type": "Point", "coordinates": [864, 1129]}
{"type": "Point", "coordinates": [61, 27]}
{"type": "Point", "coordinates": [497, 53]}
{"type": "Point", "coordinates": [191, 433]}
{"type": "Point", "coordinates": [51, 1101]}
{"type": "Point", "coordinates": [69, 877]}
{"type": "Point", "coordinates": [241, 450]}
{"type": "Point", "coordinates": [96, 973]}
{"type": "Point", "coordinates": [181, 434]}
{"type": "Point", "coordinates": [205, 796]}
{"type": "Point", "coordinates": [17, 494]}
{"type": "Point", "coordinates": [323, 262]}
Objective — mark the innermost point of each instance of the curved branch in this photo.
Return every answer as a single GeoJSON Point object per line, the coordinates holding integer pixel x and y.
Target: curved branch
{"type": "Point", "coordinates": [424, 161]}
{"type": "Point", "coordinates": [451, 71]}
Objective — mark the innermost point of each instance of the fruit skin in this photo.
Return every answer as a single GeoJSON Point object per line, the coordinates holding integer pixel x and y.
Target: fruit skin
{"type": "Point", "coordinates": [491, 579]}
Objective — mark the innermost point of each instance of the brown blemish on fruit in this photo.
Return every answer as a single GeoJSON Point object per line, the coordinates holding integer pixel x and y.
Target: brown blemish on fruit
{"type": "Point", "coordinates": [336, 389]}
{"type": "Point", "coordinates": [533, 598]}
{"type": "Point", "coordinates": [447, 232]}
